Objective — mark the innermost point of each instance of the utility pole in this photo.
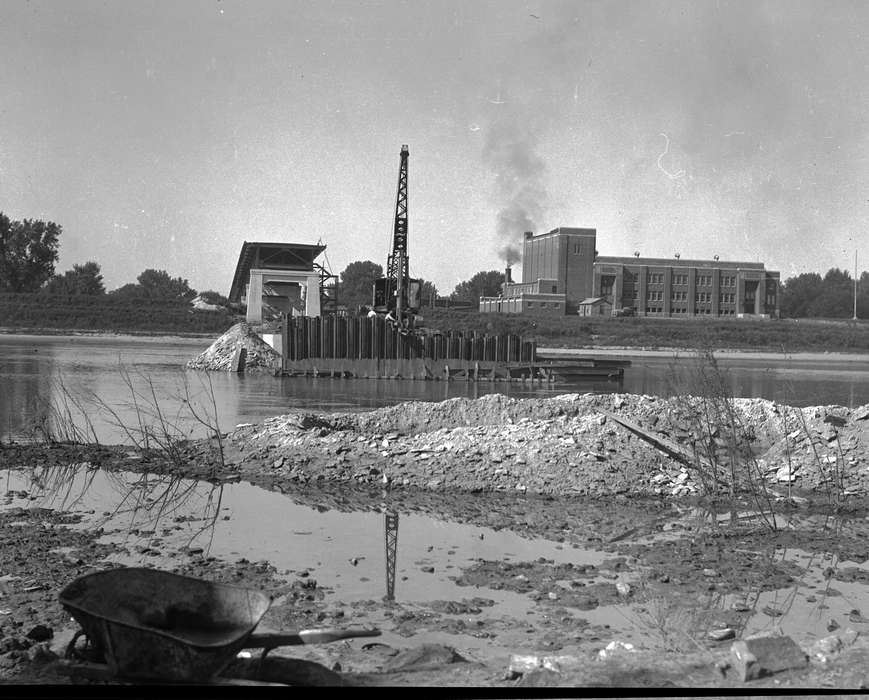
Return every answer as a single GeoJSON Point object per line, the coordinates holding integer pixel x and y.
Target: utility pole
{"type": "Point", "coordinates": [855, 284]}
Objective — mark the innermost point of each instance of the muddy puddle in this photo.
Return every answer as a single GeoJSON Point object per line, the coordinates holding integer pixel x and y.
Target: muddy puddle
{"type": "Point", "coordinates": [669, 578]}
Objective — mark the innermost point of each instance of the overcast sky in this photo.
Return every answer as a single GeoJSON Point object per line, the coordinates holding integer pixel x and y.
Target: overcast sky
{"type": "Point", "coordinates": [163, 134]}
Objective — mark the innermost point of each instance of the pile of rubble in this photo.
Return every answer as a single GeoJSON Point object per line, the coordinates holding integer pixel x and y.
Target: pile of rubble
{"type": "Point", "coordinates": [570, 444]}
{"type": "Point", "coordinates": [239, 349]}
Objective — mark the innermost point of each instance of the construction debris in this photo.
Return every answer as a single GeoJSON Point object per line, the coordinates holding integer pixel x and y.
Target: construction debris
{"type": "Point", "coordinates": [240, 349]}
{"type": "Point", "coordinates": [761, 656]}
{"type": "Point", "coordinates": [562, 445]}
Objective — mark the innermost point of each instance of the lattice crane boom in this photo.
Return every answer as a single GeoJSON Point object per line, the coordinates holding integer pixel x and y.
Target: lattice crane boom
{"type": "Point", "coordinates": [396, 291]}
{"type": "Point", "coordinates": [397, 263]}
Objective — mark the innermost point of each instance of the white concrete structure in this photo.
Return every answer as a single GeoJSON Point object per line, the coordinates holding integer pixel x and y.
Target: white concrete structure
{"type": "Point", "coordinates": [284, 276]}
{"type": "Point", "coordinates": [291, 291]}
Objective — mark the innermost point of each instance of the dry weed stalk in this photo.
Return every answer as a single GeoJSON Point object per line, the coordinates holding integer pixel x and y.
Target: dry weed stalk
{"type": "Point", "coordinates": [152, 429]}
{"type": "Point", "coordinates": [719, 440]}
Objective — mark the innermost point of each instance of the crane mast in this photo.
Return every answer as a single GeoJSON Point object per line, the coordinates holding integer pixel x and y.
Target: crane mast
{"type": "Point", "coordinates": [397, 265]}
{"type": "Point", "coordinates": [391, 529]}
{"type": "Point", "coordinates": [396, 291]}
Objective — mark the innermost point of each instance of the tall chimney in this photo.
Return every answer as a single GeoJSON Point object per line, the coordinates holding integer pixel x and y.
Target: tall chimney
{"type": "Point", "coordinates": [508, 277]}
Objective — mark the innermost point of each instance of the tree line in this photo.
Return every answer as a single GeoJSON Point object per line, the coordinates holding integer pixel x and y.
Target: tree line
{"type": "Point", "coordinates": [356, 281]}
{"type": "Point", "coordinates": [28, 254]}
{"type": "Point", "coordinates": [29, 251]}
{"type": "Point", "coordinates": [832, 296]}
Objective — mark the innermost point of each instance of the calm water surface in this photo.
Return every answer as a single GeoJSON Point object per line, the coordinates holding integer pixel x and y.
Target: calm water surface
{"type": "Point", "coordinates": [345, 553]}
{"type": "Point", "coordinates": [104, 381]}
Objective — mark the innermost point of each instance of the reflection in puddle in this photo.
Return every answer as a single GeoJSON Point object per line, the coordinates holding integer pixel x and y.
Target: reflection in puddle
{"type": "Point", "coordinates": [814, 586]}
{"type": "Point", "coordinates": [230, 521]}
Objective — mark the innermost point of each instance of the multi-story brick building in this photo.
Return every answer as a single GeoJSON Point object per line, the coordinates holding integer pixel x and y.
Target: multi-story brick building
{"type": "Point", "coordinates": [562, 273]}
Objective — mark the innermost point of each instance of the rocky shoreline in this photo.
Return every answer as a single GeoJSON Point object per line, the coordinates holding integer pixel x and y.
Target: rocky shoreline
{"type": "Point", "coordinates": [583, 445]}
{"type": "Point", "coordinates": [569, 445]}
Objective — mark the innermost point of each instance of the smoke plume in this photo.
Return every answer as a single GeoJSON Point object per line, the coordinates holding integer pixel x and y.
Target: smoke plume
{"type": "Point", "coordinates": [518, 191]}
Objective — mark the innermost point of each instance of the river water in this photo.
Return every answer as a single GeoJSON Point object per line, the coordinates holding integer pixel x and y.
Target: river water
{"type": "Point", "coordinates": [101, 382]}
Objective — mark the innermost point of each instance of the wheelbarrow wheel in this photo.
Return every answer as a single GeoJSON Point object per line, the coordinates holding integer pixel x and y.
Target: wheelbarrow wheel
{"type": "Point", "coordinates": [84, 652]}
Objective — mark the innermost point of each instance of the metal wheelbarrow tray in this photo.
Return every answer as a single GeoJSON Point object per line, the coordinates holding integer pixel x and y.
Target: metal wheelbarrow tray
{"type": "Point", "coordinates": [151, 624]}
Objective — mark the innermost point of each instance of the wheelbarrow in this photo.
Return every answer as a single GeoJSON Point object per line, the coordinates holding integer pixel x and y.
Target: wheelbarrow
{"type": "Point", "coordinates": [155, 625]}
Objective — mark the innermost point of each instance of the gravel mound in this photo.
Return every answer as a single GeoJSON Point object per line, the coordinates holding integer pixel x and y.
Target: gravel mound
{"type": "Point", "coordinates": [259, 355]}
{"type": "Point", "coordinates": [568, 444]}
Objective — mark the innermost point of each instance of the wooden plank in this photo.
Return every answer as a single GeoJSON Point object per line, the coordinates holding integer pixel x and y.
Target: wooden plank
{"type": "Point", "coordinates": [666, 446]}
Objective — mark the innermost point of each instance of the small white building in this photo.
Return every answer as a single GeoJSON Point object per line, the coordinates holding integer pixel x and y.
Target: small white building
{"type": "Point", "coordinates": [595, 306]}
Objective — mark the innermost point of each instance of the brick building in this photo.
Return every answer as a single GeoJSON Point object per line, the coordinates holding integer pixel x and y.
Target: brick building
{"type": "Point", "coordinates": [561, 271]}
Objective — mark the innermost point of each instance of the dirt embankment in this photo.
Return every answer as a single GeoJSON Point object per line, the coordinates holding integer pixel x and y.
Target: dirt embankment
{"type": "Point", "coordinates": [573, 444]}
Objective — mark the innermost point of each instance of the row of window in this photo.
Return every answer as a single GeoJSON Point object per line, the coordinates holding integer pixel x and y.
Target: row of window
{"type": "Point", "coordinates": [542, 304]}
{"type": "Point", "coordinates": [684, 312]}
{"type": "Point", "coordinates": [699, 297]}
{"type": "Point", "coordinates": [682, 279]}
{"type": "Point", "coordinates": [698, 312]}
{"type": "Point", "coordinates": [682, 295]}
{"type": "Point", "coordinates": [700, 280]}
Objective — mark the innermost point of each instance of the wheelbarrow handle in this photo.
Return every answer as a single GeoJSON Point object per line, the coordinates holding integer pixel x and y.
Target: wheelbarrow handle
{"type": "Point", "coordinates": [271, 640]}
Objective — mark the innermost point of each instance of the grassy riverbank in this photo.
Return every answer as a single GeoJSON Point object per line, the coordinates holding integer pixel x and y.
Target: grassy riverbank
{"type": "Point", "coordinates": [784, 335]}
{"type": "Point", "coordinates": [30, 313]}
{"type": "Point", "coordinates": [47, 314]}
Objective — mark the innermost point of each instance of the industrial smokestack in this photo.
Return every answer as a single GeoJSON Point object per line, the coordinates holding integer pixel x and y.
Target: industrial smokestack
{"type": "Point", "coordinates": [508, 277]}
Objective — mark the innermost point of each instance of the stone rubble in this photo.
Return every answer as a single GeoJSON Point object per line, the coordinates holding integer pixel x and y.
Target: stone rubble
{"type": "Point", "coordinates": [562, 445]}
{"type": "Point", "coordinates": [258, 355]}
{"type": "Point", "coordinates": [760, 656]}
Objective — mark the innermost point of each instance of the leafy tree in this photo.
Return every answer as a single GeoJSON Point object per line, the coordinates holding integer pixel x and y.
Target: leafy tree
{"type": "Point", "coordinates": [836, 299]}
{"type": "Point", "coordinates": [211, 297]}
{"type": "Point", "coordinates": [427, 292]}
{"type": "Point", "coordinates": [129, 291]}
{"type": "Point", "coordinates": [81, 279]}
{"type": "Point", "coordinates": [357, 281]}
{"type": "Point", "coordinates": [482, 284]}
{"type": "Point", "coordinates": [799, 292]}
{"type": "Point", "coordinates": [863, 296]}
{"type": "Point", "coordinates": [830, 296]}
{"type": "Point", "coordinates": [28, 252]}
{"type": "Point", "coordinates": [157, 284]}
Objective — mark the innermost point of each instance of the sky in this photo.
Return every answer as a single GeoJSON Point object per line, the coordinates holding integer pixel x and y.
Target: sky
{"type": "Point", "coordinates": [163, 134]}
